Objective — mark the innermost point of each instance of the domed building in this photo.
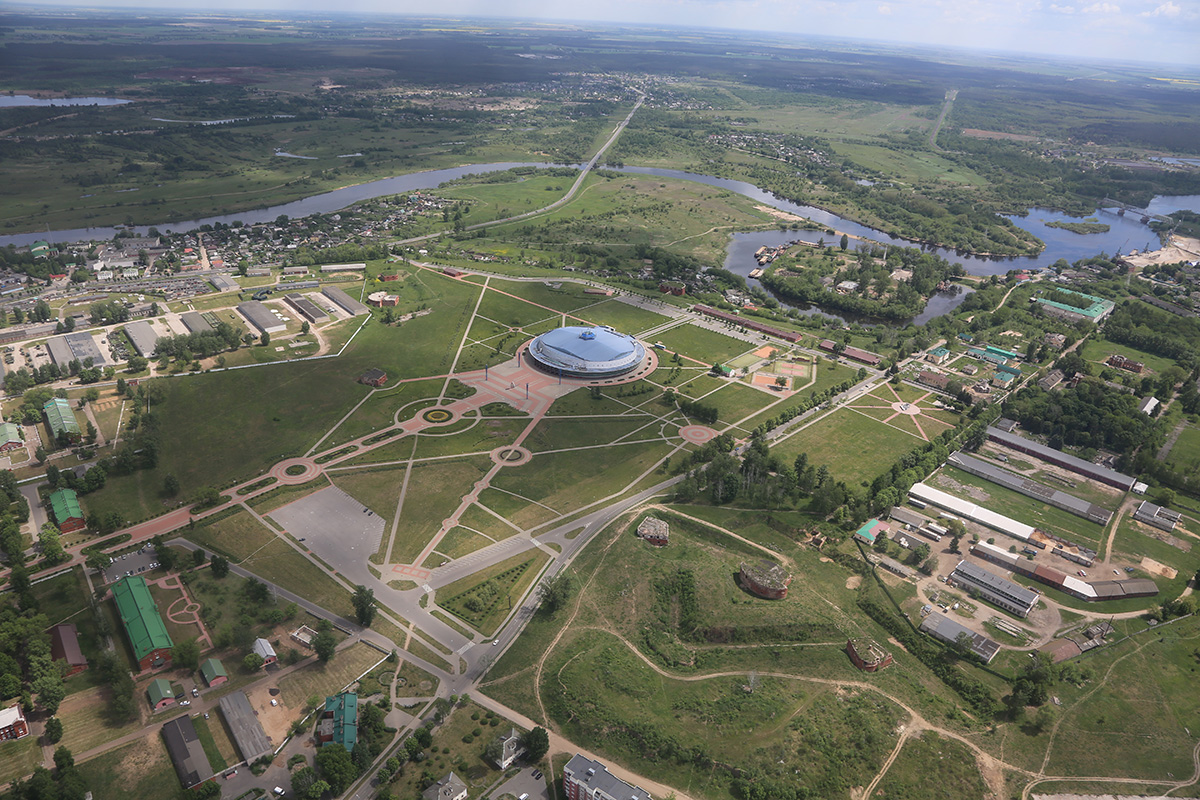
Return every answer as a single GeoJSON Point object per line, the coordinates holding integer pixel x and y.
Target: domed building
{"type": "Point", "coordinates": [586, 352]}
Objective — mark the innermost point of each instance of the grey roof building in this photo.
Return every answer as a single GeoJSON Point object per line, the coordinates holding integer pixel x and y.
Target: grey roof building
{"type": "Point", "coordinates": [511, 748]}
{"type": "Point", "coordinates": [585, 779]}
{"type": "Point", "coordinates": [261, 317]}
{"type": "Point", "coordinates": [306, 308]}
{"type": "Point", "coordinates": [1023, 445]}
{"type": "Point", "coordinates": [996, 590]}
{"type": "Point", "coordinates": [1019, 483]}
{"type": "Point", "coordinates": [195, 322]}
{"type": "Point", "coordinates": [187, 754]}
{"type": "Point", "coordinates": [75, 347]}
{"type": "Point", "coordinates": [947, 630]}
{"type": "Point", "coordinates": [224, 283]}
{"type": "Point", "coordinates": [450, 787]}
{"type": "Point", "coordinates": [1161, 518]}
{"type": "Point", "coordinates": [142, 336]}
{"type": "Point", "coordinates": [248, 733]}
{"type": "Point", "coordinates": [344, 301]}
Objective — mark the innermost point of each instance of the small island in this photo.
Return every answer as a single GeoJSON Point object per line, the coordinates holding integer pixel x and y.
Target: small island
{"type": "Point", "coordinates": [874, 281]}
{"type": "Point", "coordinates": [1082, 228]}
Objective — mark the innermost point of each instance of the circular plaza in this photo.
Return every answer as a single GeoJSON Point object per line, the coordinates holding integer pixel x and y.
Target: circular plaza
{"type": "Point", "coordinates": [588, 352]}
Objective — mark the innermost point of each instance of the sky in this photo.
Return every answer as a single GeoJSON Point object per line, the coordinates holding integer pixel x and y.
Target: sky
{"type": "Point", "coordinates": [1124, 30]}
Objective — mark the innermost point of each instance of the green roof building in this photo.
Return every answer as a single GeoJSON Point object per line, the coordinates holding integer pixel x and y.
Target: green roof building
{"type": "Point", "coordinates": [64, 505]}
{"type": "Point", "coordinates": [213, 672]}
{"type": "Point", "coordinates": [1095, 310]}
{"type": "Point", "coordinates": [339, 722]}
{"type": "Point", "coordinates": [10, 437]}
{"type": "Point", "coordinates": [145, 628]}
{"type": "Point", "coordinates": [160, 694]}
{"type": "Point", "coordinates": [61, 419]}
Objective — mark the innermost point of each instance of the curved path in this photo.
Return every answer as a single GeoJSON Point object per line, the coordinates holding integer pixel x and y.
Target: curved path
{"type": "Point", "coordinates": [566, 198]}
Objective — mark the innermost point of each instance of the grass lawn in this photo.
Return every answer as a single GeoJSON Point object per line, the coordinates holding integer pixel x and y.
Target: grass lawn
{"type": "Point", "coordinates": [702, 344]}
{"type": "Point", "coordinates": [566, 481]}
{"type": "Point", "coordinates": [377, 488]}
{"type": "Point", "coordinates": [218, 759]}
{"type": "Point", "coordinates": [934, 766]}
{"type": "Point", "coordinates": [164, 598]}
{"type": "Point", "coordinates": [482, 437]}
{"type": "Point", "coordinates": [1098, 349]}
{"type": "Point", "coordinates": [459, 541]}
{"type": "Point", "coordinates": [20, 757]}
{"type": "Point", "coordinates": [735, 402]}
{"type": "Point", "coordinates": [85, 720]}
{"type": "Point", "coordinates": [141, 769]}
{"type": "Point", "coordinates": [412, 681]}
{"type": "Point", "coordinates": [323, 680]}
{"type": "Point", "coordinates": [513, 507]}
{"type": "Point", "coordinates": [465, 735]}
{"type": "Point", "coordinates": [829, 373]}
{"type": "Point", "coordinates": [876, 446]}
{"type": "Point", "coordinates": [562, 434]}
{"type": "Point", "coordinates": [512, 312]}
{"type": "Point", "coordinates": [496, 589]}
{"type": "Point", "coordinates": [435, 491]}
{"type": "Point", "coordinates": [379, 411]}
{"type": "Point", "coordinates": [624, 317]}
{"type": "Point", "coordinates": [581, 402]}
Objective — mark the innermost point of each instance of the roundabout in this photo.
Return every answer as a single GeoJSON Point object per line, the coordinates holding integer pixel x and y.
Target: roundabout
{"type": "Point", "coordinates": [510, 456]}
{"type": "Point", "coordinates": [697, 434]}
{"type": "Point", "coordinates": [295, 471]}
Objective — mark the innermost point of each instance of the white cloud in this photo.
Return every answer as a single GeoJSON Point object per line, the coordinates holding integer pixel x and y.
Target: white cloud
{"type": "Point", "coordinates": [1167, 9]}
{"type": "Point", "coordinates": [1062, 9]}
{"type": "Point", "coordinates": [884, 9]}
{"type": "Point", "coordinates": [1102, 8]}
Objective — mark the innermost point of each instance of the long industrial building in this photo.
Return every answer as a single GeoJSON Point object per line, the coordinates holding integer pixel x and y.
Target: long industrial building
{"type": "Point", "coordinates": [996, 590]}
{"type": "Point", "coordinates": [947, 630]}
{"type": "Point", "coordinates": [998, 522]}
{"type": "Point", "coordinates": [261, 317]}
{"type": "Point", "coordinates": [306, 308]}
{"type": "Point", "coordinates": [195, 322]}
{"type": "Point", "coordinates": [1061, 459]}
{"type": "Point", "coordinates": [1038, 491]}
{"type": "Point", "coordinates": [248, 733]}
{"type": "Point", "coordinates": [75, 347]}
{"type": "Point", "coordinates": [749, 324]}
{"type": "Point", "coordinates": [186, 751]}
{"type": "Point", "coordinates": [142, 336]}
{"type": "Point", "coordinates": [1161, 518]}
{"type": "Point", "coordinates": [1092, 592]}
{"type": "Point", "coordinates": [344, 301]}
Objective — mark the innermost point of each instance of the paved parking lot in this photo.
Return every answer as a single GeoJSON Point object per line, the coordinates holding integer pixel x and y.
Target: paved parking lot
{"type": "Point", "coordinates": [136, 563]}
{"type": "Point", "coordinates": [335, 526]}
{"type": "Point", "coordinates": [524, 783]}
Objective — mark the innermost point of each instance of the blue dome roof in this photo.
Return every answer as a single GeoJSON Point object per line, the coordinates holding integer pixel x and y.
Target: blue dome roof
{"type": "Point", "coordinates": [587, 351]}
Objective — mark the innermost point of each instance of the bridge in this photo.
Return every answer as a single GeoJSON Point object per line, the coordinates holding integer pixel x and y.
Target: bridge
{"type": "Point", "coordinates": [1108, 202]}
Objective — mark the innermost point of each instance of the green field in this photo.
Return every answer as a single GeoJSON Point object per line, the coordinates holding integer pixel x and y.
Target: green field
{"type": "Point", "coordinates": [876, 446]}
{"type": "Point", "coordinates": [701, 344]}
{"type": "Point", "coordinates": [141, 769]}
{"type": "Point", "coordinates": [622, 316]}
{"type": "Point", "coordinates": [1098, 349]}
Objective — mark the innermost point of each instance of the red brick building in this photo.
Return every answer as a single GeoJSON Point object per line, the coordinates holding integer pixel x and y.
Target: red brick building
{"type": "Point", "coordinates": [765, 579]}
{"type": "Point", "coordinates": [867, 655]}
{"type": "Point", "coordinates": [64, 646]}
{"type": "Point", "coordinates": [584, 779]}
{"type": "Point", "coordinates": [12, 723]}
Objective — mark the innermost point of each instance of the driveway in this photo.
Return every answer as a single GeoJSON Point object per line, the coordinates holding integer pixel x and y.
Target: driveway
{"type": "Point", "coordinates": [524, 783]}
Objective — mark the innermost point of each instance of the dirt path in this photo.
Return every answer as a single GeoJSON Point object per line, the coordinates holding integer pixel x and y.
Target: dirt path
{"type": "Point", "coordinates": [908, 731]}
{"type": "Point", "coordinates": [1165, 450]}
{"type": "Point", "coordinates": [1116, 523]}
{"type": "Point", "coordinates": [937, 126]}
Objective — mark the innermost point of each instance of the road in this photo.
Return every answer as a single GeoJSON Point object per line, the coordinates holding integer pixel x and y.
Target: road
{"type": "Point", "coordinates": [937, 126]}
{"type": "Point", "coordinates": [566, 198]}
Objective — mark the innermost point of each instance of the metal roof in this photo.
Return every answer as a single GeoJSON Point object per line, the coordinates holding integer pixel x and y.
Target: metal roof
{"type": "Point", "coordinates": [183, 745]}
{"type": "Point", "coordinates": [64, 644]}
{"type": "Point", "coordinates": [587, 350]}
{"type": "Point", "coordinates": [344, 708]}
{"type": "Point", "coordinates": [1038, 491]}
{"type": "Point", "coordinates": [946, 629]}
{"type": "Point", "coordinates": [345, 301]}
{"type": "Point", "coordinates": [142, 336]}
{"type": "Point", "coordinates": [978, 576]}
{"type": "Point", "coordinates": [596, 777]}
{"type": "Point", "coordinates": [146, 630]}
{"type": "Point", "coordinates": [195, 322]}
{"type": "Point", "coordinates": [261, 317]}
{"type": "Point", "coordinates": [1050, 454]}
{"type": "Point", "coordinates": [243, 723]}
{"type": "Point", "coordinates": [60, 416]}
{"type": "Point", "coordinates": [211, 669]}
{"type": "Point", "coordinates": [65, 505]}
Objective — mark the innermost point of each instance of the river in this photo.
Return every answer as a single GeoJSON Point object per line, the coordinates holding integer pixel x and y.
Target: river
{"type": "Point", "coordinates": [1126, 233]}
{"type": "Point", "coordinates": [22, 100]}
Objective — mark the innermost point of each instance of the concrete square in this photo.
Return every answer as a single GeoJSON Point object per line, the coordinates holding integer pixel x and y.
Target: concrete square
{"type": "Point", "coordinates": [335, 526]}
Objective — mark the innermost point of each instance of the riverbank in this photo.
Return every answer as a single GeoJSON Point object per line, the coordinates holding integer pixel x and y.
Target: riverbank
{"type": "Point", "coordinates": [1177, 248]}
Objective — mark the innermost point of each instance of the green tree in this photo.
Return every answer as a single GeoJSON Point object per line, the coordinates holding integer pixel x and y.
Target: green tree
{"type": "Point", "coordinates": [537, 744]}
{"type": "Point", "coordinates": [554, 592]}
{"type": "Point", "coordinates": [252, 662]}
{"type": "Point", "coordinates": [186, 654]}
{"type": "Point", "coordinates": [266, 339]}
{"type": "Point", "coordinates": [170, 485]}
{"type": "Point", "coordinates": [50, 691]}
{"type": "Point", "coordinates": [54, 730]}
{"type": "Point", "coordinates": [335, 767]}
{"type": "Point", "coordinates": [305, 327]}
{"type": "Point", "coordinates": [844, 242]}
{"type": "Point", "coordinates": [324, 645]}
{"type": "Point", "coordinates": [50, 540]}
{"type": "Point", "coordinates": [198, 557]}
{"type": "Point", "coordinates": [364, 605]}
{"type": "Point", "coordinates": [219, 565]}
